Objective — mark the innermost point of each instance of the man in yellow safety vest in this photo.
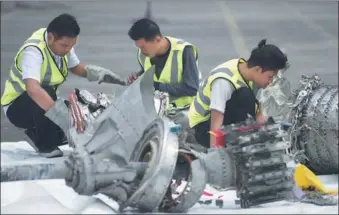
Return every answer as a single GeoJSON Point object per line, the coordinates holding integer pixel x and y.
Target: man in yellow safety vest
{"type": "Point", "coordinates": [228, 93]}
{"type": "Point", "coordinates": [40, 66]}
{"type": "Point", "coordinates": [175, 61]}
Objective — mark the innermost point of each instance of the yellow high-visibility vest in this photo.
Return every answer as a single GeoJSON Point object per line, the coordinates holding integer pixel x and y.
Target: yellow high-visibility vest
{"type": "Point", "coordinates": [173, 68]}
{"type": "Point", "coordinates": [200, 108]}
{"type": "Point", "coordinates": [50, 73]}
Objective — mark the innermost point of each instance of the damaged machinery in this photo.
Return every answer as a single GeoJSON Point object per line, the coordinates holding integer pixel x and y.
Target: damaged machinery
{"type": "Point", "coordinates": [254, 162]}
{"type": "Point", "coordinates": [136, 152]}
{"type": "Point", "coordinates": [312, 112]}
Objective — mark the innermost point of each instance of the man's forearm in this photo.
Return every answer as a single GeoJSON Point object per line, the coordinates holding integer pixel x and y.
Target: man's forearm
{"type": "Point", "coordinates": [217, 119]}
{"type": "Point", "coordinates": [41, 97]}
{"type": "Point", "coordinates": [79, 70]}
{"type": "Point", "coordinates": [260, 115]}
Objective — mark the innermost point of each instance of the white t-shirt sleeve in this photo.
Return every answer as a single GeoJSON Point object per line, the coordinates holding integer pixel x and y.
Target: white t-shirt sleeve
{"type": "Point", "coordinates": [73, 59]}
{"type": "Point", "coordinates": [222, 91]}
{"type": "Point", "coordinates": [31, 63]}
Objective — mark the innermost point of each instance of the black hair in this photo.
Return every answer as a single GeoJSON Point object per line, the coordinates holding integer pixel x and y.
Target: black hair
{"type": "Point", "coordinates": [144, 29]}
{"type": "Point", "coordinates": [64, 25]}
{"type": "Point", "coordinates": [268, 57]}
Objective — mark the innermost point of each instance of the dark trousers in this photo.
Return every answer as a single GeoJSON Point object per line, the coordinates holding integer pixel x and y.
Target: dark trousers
{"type": "Point", "coordinates": [25, 113]}
{"type": "Point", "coordinates": [241, 103]}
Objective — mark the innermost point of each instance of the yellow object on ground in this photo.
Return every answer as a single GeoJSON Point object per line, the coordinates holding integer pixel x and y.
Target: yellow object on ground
{"type": "Point", "coordinates": [307, 180]}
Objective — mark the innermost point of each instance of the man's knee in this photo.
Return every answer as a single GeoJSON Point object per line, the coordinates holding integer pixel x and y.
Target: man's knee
{"type": "Point", "coordinates": [201, 133]}
{"type": "Point", "coordinates": [19, 113]}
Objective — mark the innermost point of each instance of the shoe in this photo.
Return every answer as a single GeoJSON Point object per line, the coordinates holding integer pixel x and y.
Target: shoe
{"type": "Point", "coordinates": [64, 141]}
{"type": "Point", "coordinates": [51, 153]}
{"type": "Point", "coordinates": [31, 139]}
{"type": "Point", "coordinates": [63, 138]}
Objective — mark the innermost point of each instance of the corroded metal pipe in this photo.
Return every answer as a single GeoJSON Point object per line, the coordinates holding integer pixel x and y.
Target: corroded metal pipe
{"type": "Point", "coordinates": [54, 169]}
{"type": "Point", "coordinates": [36, 171]}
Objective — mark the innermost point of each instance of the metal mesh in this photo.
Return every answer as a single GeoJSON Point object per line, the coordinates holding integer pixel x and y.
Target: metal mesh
{"type": "Point", "coordinates": [277, 99]}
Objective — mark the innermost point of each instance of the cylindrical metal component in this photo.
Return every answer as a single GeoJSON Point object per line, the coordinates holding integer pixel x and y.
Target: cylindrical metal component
{"type": "Point", "coordinates": [56, 169]}
{"type": "Point", "coordinates": [221, 168]}
{"type": "Point", "coordinates": [163, 146]}
{"type": "Point", "coordinates": [189, 193]}
{"type": "Point", "coordinates": [39, 171]}
{"type": "Point", "coordinates": [321, 138]}
{"type": "Point", "coordinates": [316, 117]}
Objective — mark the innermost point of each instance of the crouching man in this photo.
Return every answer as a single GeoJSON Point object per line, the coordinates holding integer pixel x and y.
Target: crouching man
{"type": "Point", "coordinates": [228, 93]}
{"type": "Point", "coordinates": [40, 67]}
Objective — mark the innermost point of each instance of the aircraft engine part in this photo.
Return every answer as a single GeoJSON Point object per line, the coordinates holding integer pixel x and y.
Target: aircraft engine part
{"type": "Point", "coordinates": [277, 99]}
{"type": "Point", "coordinates": [186, 171]}
{"type": "Point", "coordinates": [158, 147]}
{"type": "Point", "coordinates": [254, 160]}
{"type": "Point", "coordinates": [145, 134]}
{"type": "Point", "coordinates": [261, 161]}
{"type": "Point", "coordinates": [20, 171]}
{"type": "Point", "coordinates": [106, 136]}
{"type": "Point", "coordinates": [100, 162]}
{"type": "Point", "coordinates": [164, 161]}
{"type": "Point", "coordinates": [121, 114]}
{"type": "Point", "coordinates": [315, 124]}
{"type": "Point", "coordinates": [84, 108]}
{"type": "Point", "coordinates": [312, 110]}
{"type": "Point", "coordinates": [222, 162]}
{"type": "Point", "coordinates": [105, 124]}
{"type": "Point", "coordinates": [161, 102]}
{"type": "Point", "coordinates": [176, 115]}
{"type": "Point", "coordinates": [103, 170]}
{"type": "Point", "coordinates": [194, 177]}
{"type": "Point", "coordinates": [180, 116]}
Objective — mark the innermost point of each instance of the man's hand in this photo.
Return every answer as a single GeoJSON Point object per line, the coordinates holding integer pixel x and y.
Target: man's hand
{"type": "Point", "coordinates": [38, 94]}
{"type": "Point", "coordinates": [260, 116]}
{"type": "Point", "coordinates": [96, 73]}
{"type": "Point", "coordinates": [58, 114]}
{"type": "Point", "coordinates": [134, 76]}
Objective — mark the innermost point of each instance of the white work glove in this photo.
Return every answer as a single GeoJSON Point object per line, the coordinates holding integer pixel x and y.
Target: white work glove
{"type": "Point", "coordinates": [58, 114]}
{"type": "Point", "coordinates": [97, 73]}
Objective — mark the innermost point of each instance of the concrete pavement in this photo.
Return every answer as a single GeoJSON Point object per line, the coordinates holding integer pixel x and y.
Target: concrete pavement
{"type": "Point", "coordinates": [308, 31]}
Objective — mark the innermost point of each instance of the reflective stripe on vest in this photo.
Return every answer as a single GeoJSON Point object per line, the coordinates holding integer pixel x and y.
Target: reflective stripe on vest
{"type": "Point", "coordinates": [200, 110]}
{"type": "Point", "coordinates": [14, 85]}
{"type": "Point", "coordinates": [173, 69]}
{"type": "Point", "coordinates": [174, 76]}
{"type": "Point", "coordinates": [206, 100]}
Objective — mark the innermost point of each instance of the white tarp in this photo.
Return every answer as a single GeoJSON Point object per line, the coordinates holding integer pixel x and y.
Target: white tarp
{"type": "Point", "coordinates": [53, 196]}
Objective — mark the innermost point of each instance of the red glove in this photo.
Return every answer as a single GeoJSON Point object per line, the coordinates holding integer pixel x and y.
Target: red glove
{"type": "Point", "coordinates": [132, 78]}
